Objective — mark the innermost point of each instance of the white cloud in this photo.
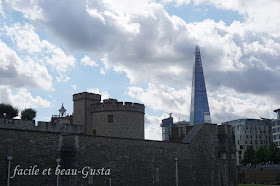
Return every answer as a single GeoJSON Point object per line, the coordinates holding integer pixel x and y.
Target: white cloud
{"type": "Point", "coordinates": [177, 2]}
{"type": "Point", "coordinates": [153, 130]}
{"type": "Point", "coordinates": [1, 9]}
{"type": "Point", "coordinates": [88, 62]}
{"type": "Point", "coordinates": [74, 87]}
{"type": "Point", "coordinates": [149, 45]}
{"type": "Point", "coordinates": [26, 39]}
{"type": "Point", "coordinates": [227, 104]}
{"type": "Point", "coordinates": [104, 94]}
{"type": "Point", "coordinates": [17, 73]}
{"type": "Point", "coordinates": [261, 15]}
{"type": "Point", "coordinates": [29, 8]}
{"type": "Point", "coordinates": [164, 98]}
{"type": "Point", "coordinates": [21, 98]}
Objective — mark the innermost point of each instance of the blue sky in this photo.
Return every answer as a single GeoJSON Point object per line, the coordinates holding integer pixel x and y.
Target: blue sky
{"type": "Point", "coordinates": [141, 51]}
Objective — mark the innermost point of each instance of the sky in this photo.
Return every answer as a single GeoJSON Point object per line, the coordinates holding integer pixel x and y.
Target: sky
{"type": "Point", "coordinates": [141, 51]}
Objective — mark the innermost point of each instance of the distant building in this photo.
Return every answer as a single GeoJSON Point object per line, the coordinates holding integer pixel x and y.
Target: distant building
{"type": "Point", "coordinates": [167, 125]}
{"type": "Point", "coordinates": [199, 112]}
{"type": "Point", "coordinates": [250, 132]}
{"type": "Point", "coordinates": [174, 132]}
{"type": "Point", "coordinates": [276, 128]}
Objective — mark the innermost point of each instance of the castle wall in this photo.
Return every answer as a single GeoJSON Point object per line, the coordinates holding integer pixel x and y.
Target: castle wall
{"type": "Point", "coordinates": [205, 160]}
{"type": "Point", "coordinates": [41, 126]}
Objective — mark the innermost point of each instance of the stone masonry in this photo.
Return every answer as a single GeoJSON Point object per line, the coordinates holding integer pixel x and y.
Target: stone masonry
{"type": "Point", "coordinates": [127, 119]}
{"type": "Point", "coordinates": [206, 157]}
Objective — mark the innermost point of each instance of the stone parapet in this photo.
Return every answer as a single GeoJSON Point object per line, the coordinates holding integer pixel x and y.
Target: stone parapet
{"type": "Point", "coordinates": [86, 95]}
{"type": "Point", "coordinates": [118, 106]}
{"type": "Point", "coordinates": [29, 125]}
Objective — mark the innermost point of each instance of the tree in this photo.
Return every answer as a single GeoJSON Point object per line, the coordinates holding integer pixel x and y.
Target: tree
{"type": "Point", "coordinates": [272, 153]}
{"type": "Point", "coordinates": [28, 114]}
{"type": "Point", "coordinates": [261, 155]}
{"type": "Point", "coordinates": [8, 111]}
{"type": "Point", "coordinates": [249, 156]}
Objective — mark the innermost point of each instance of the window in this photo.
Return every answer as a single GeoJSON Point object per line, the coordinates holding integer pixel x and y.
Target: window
{"type": "Point", "coordinates": [110, 118]}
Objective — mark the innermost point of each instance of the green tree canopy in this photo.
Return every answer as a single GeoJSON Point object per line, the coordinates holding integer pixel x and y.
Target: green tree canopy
{"type": "Point", "coordinates": [249, 156]}
{"type": "Point", "coordinates": [28, 114]}
{"type": "Point", "coordinates": [8, 111]}
{"type": "Point", "coordinates": [272, 153]}
{"type": "Point", "coordinates": [261, 155]}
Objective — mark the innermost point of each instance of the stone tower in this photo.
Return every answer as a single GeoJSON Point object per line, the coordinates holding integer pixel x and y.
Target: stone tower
{"type": "Point", "coordinates": [108, 118]}
{"type": "Point", "coordinates": [81, 108]}
{"type": "Point", "coordinates": [199, 112]}
{"type": "Point", "coordinates": [117, 119]}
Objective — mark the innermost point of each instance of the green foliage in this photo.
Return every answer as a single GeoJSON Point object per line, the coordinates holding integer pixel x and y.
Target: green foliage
{"type": "Point", "coordinates": [249, 156]}
{"type": "Point", "coordinates": [261, 155]}
{"type": "Point", "coordinates": [28, 114]}
{"type": "Point", "coordinates": [8, 111]}
{"type": "Point", "coordinates": [273, 151]}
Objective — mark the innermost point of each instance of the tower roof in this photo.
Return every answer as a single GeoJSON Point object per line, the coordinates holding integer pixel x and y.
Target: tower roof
{"type": "Point", "coordinates": [62, 110]}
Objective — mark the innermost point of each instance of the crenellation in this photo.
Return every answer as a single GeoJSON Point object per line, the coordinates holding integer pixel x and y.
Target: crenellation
{"type": "Point", "coordinates": [86, 95]}
{"type": "Point", "coordinates": [29, 125]}
{"type": "Point", "coordinates": [118, 106]}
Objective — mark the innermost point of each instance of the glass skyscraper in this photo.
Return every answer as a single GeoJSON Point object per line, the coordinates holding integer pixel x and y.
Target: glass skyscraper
{"type": "Point", "coordinates": [199, 112]}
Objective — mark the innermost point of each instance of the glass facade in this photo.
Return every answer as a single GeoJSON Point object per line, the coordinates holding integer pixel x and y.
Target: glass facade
{"type": "Point", "coordinates": [200, 112]}
{"type": "Point", "coordinates": [250, 132]}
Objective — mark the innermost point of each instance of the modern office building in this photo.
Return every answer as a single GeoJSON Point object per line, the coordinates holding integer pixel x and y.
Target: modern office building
{"type": "Point", "coordinates": [174, 131]}
{"type": "Point", "coordinates": [199, 112]}
{"type": "Point", "coordinates": [276, 128]}
{"type": "Point", "coordinates": [250, 132]}
{"type": "Point", "coordinates": [167, 125]}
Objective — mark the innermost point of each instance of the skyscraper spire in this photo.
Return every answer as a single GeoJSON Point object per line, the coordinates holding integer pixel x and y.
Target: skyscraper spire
{"type": "Point", "coordinates": [199, 112]}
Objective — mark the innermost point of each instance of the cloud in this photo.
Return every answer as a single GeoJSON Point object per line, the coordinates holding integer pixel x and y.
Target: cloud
{"type": "Point", "coordinates": [227, 104]}
{"type": "Point", "coordinates": [164, 98]}
{"type": "Point", "coordinates": [21, 98]}
{"type": "Point", "coordinates": [176, 2]}
{"type": "Point", "coordinates": [27, 40]}
{"type": "Point", "coordinates": [29, 8]}
{"type": "Point", "coordinates": [149, 45]}
{"type": "Point", "coordinates": [17, 73]}
{"type": "Point", "coordinates": [104, 94]}
{"type": "Point", "coordinates": [152, 127]}
{"type": "Point", "coordinates": [74, 87]}
{"type": "Point", "coordinates": [1, 9]}
{"type": "Point", "coordinates": [88, 62]}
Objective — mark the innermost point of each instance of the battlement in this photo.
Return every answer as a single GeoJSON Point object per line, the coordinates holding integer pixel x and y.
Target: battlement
{"type": "Point", "coordinates": [114, 105]}
{"type": "Point", "coordinates": [87, 95]}
{"type": "Point", "coordinates": [29, 125]}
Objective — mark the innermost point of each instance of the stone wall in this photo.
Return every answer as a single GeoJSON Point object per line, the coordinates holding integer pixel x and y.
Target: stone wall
{"type": "Point", "coordinates": [125, 124]}
{"type": "Point", "coordinates": [204, 159]}
{"type": "Point", "coordinates": [41, 126]}
{"type": "Point", "coordinates": [269, 177]}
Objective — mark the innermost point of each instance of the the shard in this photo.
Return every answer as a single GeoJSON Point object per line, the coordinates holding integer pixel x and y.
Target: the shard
{"type": "Point", "coordinates": [199, 112]}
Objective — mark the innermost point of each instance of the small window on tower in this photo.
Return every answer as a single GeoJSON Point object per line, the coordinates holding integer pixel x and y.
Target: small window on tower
{"type": "Point", "coordinates": [110, 118]}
